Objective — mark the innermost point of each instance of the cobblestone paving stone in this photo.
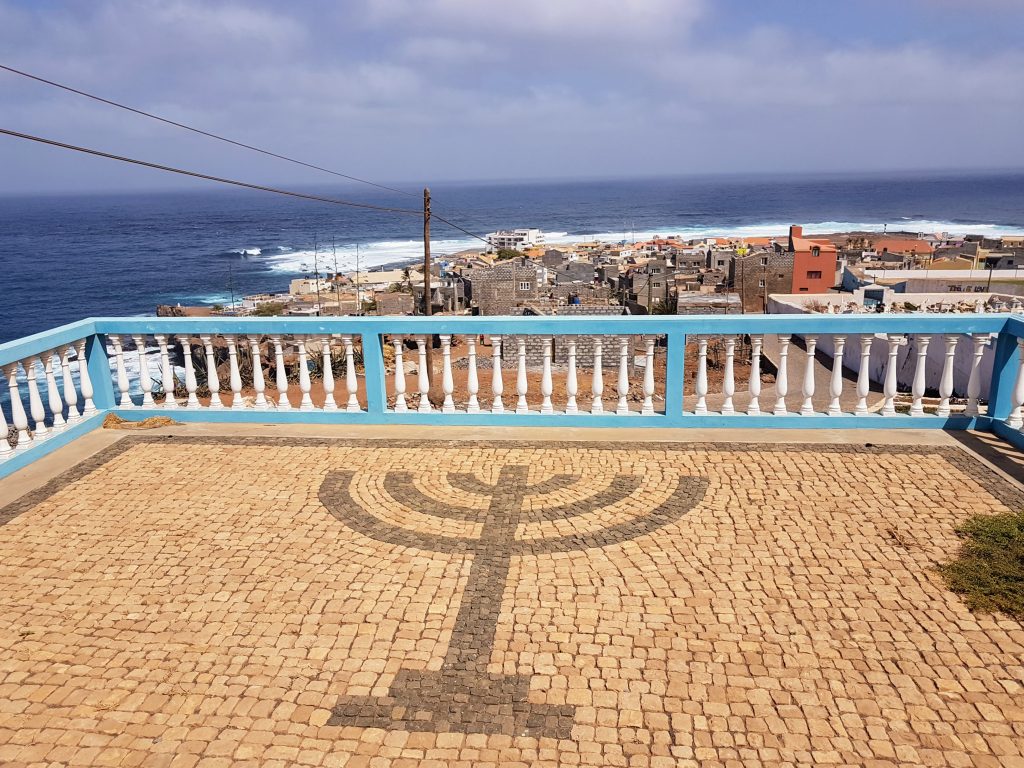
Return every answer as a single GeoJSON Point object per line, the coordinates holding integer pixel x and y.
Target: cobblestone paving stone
{"type": "Point", "coordinates": [283, 601]}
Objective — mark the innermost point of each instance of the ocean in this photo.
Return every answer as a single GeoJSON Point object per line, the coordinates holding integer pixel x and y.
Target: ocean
{"type": "Point", "coordinates": [66, 257]}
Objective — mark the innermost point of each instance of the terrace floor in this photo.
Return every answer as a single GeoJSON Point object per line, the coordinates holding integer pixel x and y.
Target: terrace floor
{"type": "Point", "coordinates": [215, 595]}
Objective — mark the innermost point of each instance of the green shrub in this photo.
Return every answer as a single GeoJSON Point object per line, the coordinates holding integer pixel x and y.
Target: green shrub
{"type": "Point", "coordinates": [988, 572]}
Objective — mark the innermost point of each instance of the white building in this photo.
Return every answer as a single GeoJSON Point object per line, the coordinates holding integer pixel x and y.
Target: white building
{"type": "Point", "coordinates": [516, 239]}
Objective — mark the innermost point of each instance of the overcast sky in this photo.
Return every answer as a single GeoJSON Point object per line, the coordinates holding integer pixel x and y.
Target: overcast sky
{"type": "Point", "coordinates": [431, 90]}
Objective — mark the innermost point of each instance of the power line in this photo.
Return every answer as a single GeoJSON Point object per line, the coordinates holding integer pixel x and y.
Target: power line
{"type": "Point", "coordinates": [222, 180]}
{"type": "Point", "coordinates": [206, 176]}
{"type": "Point", "coordinates": [201, 132]}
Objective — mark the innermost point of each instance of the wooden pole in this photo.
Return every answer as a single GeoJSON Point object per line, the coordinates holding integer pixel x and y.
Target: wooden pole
{"type": "Point", "coordinates": [426, 251]}
{"type": "Point", "coordinates": [427, 308]}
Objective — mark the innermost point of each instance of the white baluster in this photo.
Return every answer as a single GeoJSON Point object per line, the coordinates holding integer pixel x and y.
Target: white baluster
{"type": "Point", "coordinates": [84, 380]}
{"type": "Point", "coordinates": [53, 393]}
{"type": "Point", "coordinates": [597, 381]}
{"type": "Point", "coordinates": [729, 376]}
{"type": "Point", "coordinates": [423, 378]}
{"type": "Point", "coordinates": [545, 379]}
{"type": "Point", "coordinates": [212, 379]}
{"type": "Point", "coordinates": [35, 403]}
{"type": "Point", "coordinates": [145, 375]}
{"type": "Point", "coordinates": [623, 384]}
{"type": "Point", "coordinates": [472, 383]}
{"type": "Point", "coordinates": [571, 384]}
{"type": "Point", "coordinates": [327, 364]}
{"type": "Point", "coordinates": [946, 382]}
{"type": "Point", "coordinates": [447, 385]}
{"type": "Point", "coordinates": [864, 374]}
{"type": "Point", "coordinates": [974, 382]}
{"type": "Point", "coordinates": [521, 406]}
{"type": "Point", "coordinates": [400, 405]}
{"type": "Point", "coordinates": [889, 387]}
{"type": "Point", "coordinates": [235, 377]}
{"type": "Point", "coordinates": [917, 389]}
{"type": "Point", "coordinates": [18, 416]}
{"type": "Point", "coordinates": [280, 375]}
{"type": "Point", "coordinates": [702, 377]}
{"type": "Point", "coordinates": [807, 409]}
{"type": "Point", "coordinates": [167, 379]}
{"type": "Point", "coordinates": [258, 382]}
{"type": "Point", "coordinates": [647, 409]}
{"type": "Point", "coordinates": [70, 395]}
{"type": "Point", "coordinates": [122, 375]}
{"type": "Point", "coordinates": [1014, 420]}
{"type": "Point", "coordinates": [351, 382]}
{"type": "Point", "coordinates": [754, 387]}
{"type": "Point", "coordinates": [5, 447]}
{"type": "Point", "coordinates": [782, 378]}
{"type": "Point", "coordinates": [497, 385]}
{"type": "Point", "coordinates": [305, 386]}
{"type": "Point", "coordinates": [836, 383]}
{"type": "Point", "coordinates": [190, 374]}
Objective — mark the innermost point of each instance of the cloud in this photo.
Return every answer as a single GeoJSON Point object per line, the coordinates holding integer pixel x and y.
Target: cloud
{"type": "Point", "coordinates": [451, 88]}
{"type": "Point", "coordinates": [562, 19]}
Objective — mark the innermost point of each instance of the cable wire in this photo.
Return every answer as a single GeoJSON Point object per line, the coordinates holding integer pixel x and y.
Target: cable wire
{"type": "Point", "coordinates": [208, 177]}
{"type": "Point", "coordinates": [208, 134]}
{"type": "Point", "coordinates": [222, 180]}
{"type": "Point", "coordinates": [200, 131]}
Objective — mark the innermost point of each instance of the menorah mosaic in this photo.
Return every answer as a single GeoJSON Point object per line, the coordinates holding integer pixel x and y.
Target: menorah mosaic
{"type": "Point", "coordinates": [269, 600]}
{"type": "Point", "coordinates": [463, 695]}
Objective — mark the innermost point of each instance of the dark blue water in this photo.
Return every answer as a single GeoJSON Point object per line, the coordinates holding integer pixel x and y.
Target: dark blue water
{"type": "Point", "coordinates": [63, 258]}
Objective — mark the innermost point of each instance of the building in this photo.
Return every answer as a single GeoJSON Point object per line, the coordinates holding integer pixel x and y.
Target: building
{"type": "Point", "coordinates": [499, 289]}
{"type": "Point", "coordinates": [814, 262]}
{"type": "Point", "coordinates": [514, 239]}
{"type": "Point", "coordinates": [757, 275]}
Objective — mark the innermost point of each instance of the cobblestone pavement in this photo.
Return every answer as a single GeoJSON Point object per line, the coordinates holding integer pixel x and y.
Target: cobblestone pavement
{"type": "Point", "coordinates": [197, 601]}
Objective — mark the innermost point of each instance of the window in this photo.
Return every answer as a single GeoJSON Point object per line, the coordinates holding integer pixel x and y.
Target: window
{"type": "Point", "coordinates": [764, 261]}
{"type": "Point", "coordinates": [815, 251]}
{"type": "Point", "coordinates": [803, 290]}
{"type": "Point", "coordinates": [657, 285]}
{"type": "Point", "coordinates": [721, 263]}
{"type": "Point", "coordinates": [525, 286]}
{"type": "Point", "coordinates": [815, 275]}
{"type": "Point", "coordinates": [760, 283]}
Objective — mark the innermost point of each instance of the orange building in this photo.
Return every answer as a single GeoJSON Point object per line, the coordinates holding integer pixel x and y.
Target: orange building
{"type": "Point", "coordinates": [814, 262]}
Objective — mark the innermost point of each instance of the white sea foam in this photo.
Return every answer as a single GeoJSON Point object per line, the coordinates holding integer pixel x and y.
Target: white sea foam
{"type": "Point", "coordinates": [378, 253]}
{"type": "Point", "coordinates": [248, 251]}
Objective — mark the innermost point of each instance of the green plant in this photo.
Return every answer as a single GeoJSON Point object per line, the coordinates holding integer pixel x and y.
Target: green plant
{"type": "Point", "coordinates": [270, 309]}
{"type": "Point", "coordinates": [988, 572]}
{"type": "Point", "coordinates": [507, 253]}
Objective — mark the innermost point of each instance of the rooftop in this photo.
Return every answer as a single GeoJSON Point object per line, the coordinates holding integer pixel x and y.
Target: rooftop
{"type": "Point", "coordinates": [332, 595]}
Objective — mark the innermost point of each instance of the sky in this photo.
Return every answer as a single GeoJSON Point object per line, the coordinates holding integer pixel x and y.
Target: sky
{"type": "Point", "coordinates": [422, 91]}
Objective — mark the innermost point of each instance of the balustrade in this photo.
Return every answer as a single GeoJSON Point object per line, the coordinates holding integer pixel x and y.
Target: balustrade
{"type": "Point", "coordinates": [862, 370]}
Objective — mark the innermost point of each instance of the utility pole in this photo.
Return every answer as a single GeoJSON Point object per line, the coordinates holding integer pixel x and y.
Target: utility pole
{"type": "Point", "coordinates": [337, 283]}
{"type": "Point", "coordinates": [426, 280]}
{"type": "Point", "coordinates": [426, 251]}
{"type": "Point", "coordinates": [359, 301]}
{"type": "Point", "coordinates": [316, 274]}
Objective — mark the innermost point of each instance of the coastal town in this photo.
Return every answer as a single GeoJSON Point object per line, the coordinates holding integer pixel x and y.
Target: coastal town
{"type": "Point", "coordinates": [518, 273]}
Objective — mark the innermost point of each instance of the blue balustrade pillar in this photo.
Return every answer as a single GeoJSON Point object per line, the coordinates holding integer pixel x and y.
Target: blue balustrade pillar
{"type": "Point", "coordinates": [674, 366]}
{"type": "Point", "coordinates": [373, 370]}
{"type": "Point", "coordinates": [99, 371]}
{"type": "Point", "coordinates": [1004, 375]}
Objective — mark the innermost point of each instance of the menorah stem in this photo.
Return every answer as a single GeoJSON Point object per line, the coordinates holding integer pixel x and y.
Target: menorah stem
{"type": "Point", "coordinates": [472, 639]}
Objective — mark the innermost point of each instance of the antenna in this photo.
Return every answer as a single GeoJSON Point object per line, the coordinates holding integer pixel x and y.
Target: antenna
{"type": "Point", "coordinates": [316, 274]}
{"type": "Point", "coordinates": [337, 282]}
